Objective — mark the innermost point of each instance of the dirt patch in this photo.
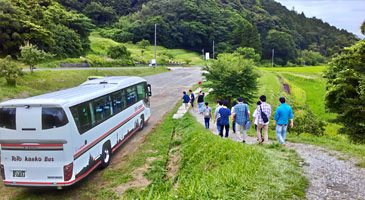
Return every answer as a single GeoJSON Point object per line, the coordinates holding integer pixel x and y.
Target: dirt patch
{"type": "Point", "coordinates": [151, 159]}
{"type": "Point", "coordinates": [285, 87]}
{"type": "Point", "coordinates": [173, 163]}
{"type": "Point", "coordinates": [139, 181]}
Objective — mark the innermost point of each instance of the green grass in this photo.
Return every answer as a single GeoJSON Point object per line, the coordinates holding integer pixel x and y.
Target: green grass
{"type": "Point", "coordinates": [47, 81]}
{"type": "Point", "coordinates": [99, 45]}
{"type": "Point", "coordinates": [315, 90]}
{"type": "Point", "coordinates": [218, 168]}
{"type": "Point", "coordinates": [302, 70]}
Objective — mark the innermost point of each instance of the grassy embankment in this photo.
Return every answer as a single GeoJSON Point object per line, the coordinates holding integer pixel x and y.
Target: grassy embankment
{"type": "Point", "coordinates": [47, 81]}
{"type": "Point", "coordinates": [100, 45]}
{"type": "Point", "coordinates": [308, 87]}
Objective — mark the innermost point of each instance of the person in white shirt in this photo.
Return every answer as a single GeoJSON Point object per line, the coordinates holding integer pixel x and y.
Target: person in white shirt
{"type": "Point", "coordinates": [255, 117]}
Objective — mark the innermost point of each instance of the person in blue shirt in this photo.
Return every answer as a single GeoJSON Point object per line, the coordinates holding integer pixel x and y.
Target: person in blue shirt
{"type": "Point", "coordinates": [224, 113]}
{"type": "Point", "coordinates": [282, 115]}
{"type": "Point", "coordinates": [192, 98]}
{"type": "Point", "coordinates": [186, 100]}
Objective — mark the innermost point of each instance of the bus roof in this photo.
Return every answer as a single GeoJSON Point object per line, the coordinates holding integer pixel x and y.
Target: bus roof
{"type": "Point", "coordinates": [87, 90]}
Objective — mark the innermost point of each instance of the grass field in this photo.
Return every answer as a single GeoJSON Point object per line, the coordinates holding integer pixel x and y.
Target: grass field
{"type": "Point", "coordinates": [47, 81]}
{"type": "Point", "coordinates": [304, 70]}
{"type": "Point", "coordinates": [100, 45]}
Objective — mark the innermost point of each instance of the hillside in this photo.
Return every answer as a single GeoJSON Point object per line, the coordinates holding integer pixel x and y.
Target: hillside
{"type": "Point", "coordinates": [261, 24]}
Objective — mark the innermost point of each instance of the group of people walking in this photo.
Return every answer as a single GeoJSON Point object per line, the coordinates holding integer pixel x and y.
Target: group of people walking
{"type": "Point", "coordinates": [240, 117]}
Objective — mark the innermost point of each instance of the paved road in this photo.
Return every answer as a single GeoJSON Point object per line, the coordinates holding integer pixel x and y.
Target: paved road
{"type": "Point", "coordinates": [91, 68]}
{"type": "Point", "coordinates": [167, 90]}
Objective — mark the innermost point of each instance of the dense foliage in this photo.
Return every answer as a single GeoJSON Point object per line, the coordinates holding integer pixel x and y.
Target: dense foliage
{"type": "Point", "coordinates": [31, 55]}
{"type": "Point", "coordinates": [9, 70]}
{"type": "Point", "coordinates": [232, 76]}
{"type": "Point", "coordinates": [260, 24]}
{"type": "Point", "coordinates": [346, 90]}
{"type": "Point", "coordinates": [44, 23]}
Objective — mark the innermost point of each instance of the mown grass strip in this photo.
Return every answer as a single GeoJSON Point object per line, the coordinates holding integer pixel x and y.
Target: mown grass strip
{"type": "Point", "coordinates": [41, 82]}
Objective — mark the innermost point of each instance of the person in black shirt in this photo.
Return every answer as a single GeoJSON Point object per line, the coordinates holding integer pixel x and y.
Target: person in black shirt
{"type": "Point", "coordinates": [201, 102]}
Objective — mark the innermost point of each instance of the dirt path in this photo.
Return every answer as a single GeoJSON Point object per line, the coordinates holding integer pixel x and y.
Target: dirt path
{"type": "Point", "coordinates": [330, 177]}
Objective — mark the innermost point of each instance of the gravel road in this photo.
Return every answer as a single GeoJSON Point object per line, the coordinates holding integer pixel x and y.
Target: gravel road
{"type": "Point", "coordinates": [330, 178]}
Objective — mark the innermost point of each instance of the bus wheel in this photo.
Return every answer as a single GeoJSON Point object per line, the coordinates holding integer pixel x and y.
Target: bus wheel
{"type": "Point", "coordinates": [105, 156]}
{"type": "Point", "coordinates": [141, 125]}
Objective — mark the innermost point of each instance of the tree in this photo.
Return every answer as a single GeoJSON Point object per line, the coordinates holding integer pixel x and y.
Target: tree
{"type": "Point", "coordinates": [9, 70]}
{"type": "Point", "coordinates": [248, 53]}
{"type": "Point", "coordinates": [346, 90]}
{"type": "Point", "coordinates": [143, 43]}
{"type": "Point", "coordinates": [31, 55]}
{"type": "Point", "coordinates": [100, 14]}
{"type": "Point", "coordinates": [232, 77]}
{"type": "Point", "coordinates": [118, 52]}
{"type": "Point", "coordinates": [68, 42]}
{"type": "Point", "coordinates": [283, 45]}
{"type": "Point", "coordinates": [363, 28]}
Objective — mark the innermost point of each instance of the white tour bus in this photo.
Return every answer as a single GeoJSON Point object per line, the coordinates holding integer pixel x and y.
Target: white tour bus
{"type": "Point", "coordinates": [56, 139]}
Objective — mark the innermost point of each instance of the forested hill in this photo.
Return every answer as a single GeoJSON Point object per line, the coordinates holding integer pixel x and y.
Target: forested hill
{"type": "Point", "coordinates": [189, 24]}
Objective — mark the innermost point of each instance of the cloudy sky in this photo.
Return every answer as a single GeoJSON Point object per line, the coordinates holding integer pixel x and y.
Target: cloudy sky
{"type": "Point", "coordinates": [346, 14]}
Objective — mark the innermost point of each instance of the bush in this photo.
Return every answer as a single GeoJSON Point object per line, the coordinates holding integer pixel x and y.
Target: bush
{"type": "Point", "coordinates": [9, 70]}
{"type": "Point", "coordinates": [122, 36]}
{"type": "Point", "coordinates": [95, 61]}
{"type": "Point", "coordinates": [231, 77]}
{"type": "Point", "coordinates": [118, 52]}
{"type": "Point", "coordinates": [306, 122]}
{"type": "Point", "coordinates": [143, 43]}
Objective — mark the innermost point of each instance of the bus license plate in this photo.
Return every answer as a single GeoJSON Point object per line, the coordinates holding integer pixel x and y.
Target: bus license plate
{"type": "Point", "coordinates": [18, 173]}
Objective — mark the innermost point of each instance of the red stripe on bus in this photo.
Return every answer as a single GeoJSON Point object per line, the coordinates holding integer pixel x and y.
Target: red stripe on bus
{"type": "Point", "coordinates": [31, 145]}
{"type": "Point", "coordinates": [120, 143]}
{"type": "Point", "coordinates": [108, 132]}
{"type": "Point", "coordinates": [48, 183]}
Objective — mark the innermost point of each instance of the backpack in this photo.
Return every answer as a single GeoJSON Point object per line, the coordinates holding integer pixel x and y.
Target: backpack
{"type": "Point", "coordinates": [263, 116]}
{"type": "Point", "coordinates": [206, 113]}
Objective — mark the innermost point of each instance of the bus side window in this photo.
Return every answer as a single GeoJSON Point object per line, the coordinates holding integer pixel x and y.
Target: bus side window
{"type": "Point", "coordinates": [141, 91]}
{"type": "Point", "coordinates": [102, 108]}
{"type": "Point", "coordinates": [131, 95]}
{"type": "Point", "coordinates": [81, 115]}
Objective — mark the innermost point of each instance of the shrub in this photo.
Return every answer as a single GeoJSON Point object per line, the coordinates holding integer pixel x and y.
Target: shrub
{"type": "Point", "coordinates": [143, 43]}
{"type": "Point", "coordinates": [95, 60]}
{"type": "Point", "coordinates": [9, 70]}
{"type": "Point", "coordinates": [306, 122]}
{"type": "Point", "coordinates": [118, 52]}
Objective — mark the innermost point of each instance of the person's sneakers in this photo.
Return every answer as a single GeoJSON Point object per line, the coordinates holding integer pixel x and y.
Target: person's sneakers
{"type": "Point", "coordinates": [283, 145]}
{"type": "Point", "coordinates": [243, 141]}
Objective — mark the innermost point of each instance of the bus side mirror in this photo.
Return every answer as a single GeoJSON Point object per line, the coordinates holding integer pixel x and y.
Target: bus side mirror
{"type": "Point", "coordinates": [149, 90]}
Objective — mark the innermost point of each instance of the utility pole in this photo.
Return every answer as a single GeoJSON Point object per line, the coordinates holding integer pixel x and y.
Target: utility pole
{"type": "Point", "coordinates": [213, 49]}
{"type": "Point", "coordinates": [155, 44]}
{"type": "Point", "coordinates": [272, 58]}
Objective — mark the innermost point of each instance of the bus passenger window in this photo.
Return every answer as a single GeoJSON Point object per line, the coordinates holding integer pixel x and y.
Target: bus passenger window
{"type": "Point", "coordinates": [81, 115]}
{"type": "Point", "coordinates": [131, 95]}
{"type": "Point", "coordinates": [7, 118]}
{"type": "Point", "coordinates": [118, 101]}
{"type": "Point", "coordinates": [103, 108]}
{"type": "Point", "coordinates": [141, 91]}
{"type": "Point", "coordinates": [53, 118]}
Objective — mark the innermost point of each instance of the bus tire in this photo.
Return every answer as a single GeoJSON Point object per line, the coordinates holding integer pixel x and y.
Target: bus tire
{"type": "Point", "coordinates": [105, 156]}
{"type": "Point", "coordinates": [141, 125]}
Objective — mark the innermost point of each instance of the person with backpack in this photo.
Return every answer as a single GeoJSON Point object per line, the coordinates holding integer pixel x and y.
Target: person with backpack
{"type": "Point", "coordinates": [242, 116]}
{"type": "Point", "coordinates": [224, 114]}
{"type": "Point", "coordinates": [282, 115]}
{"type": "Point", "coordinates": [207, 113]}
{"type": "Point", "coordinates": [201, 102]}
{"type": "Point", "coordinates": [217, 117]}
{"type": "Point", "coordinates": [264, 113]}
